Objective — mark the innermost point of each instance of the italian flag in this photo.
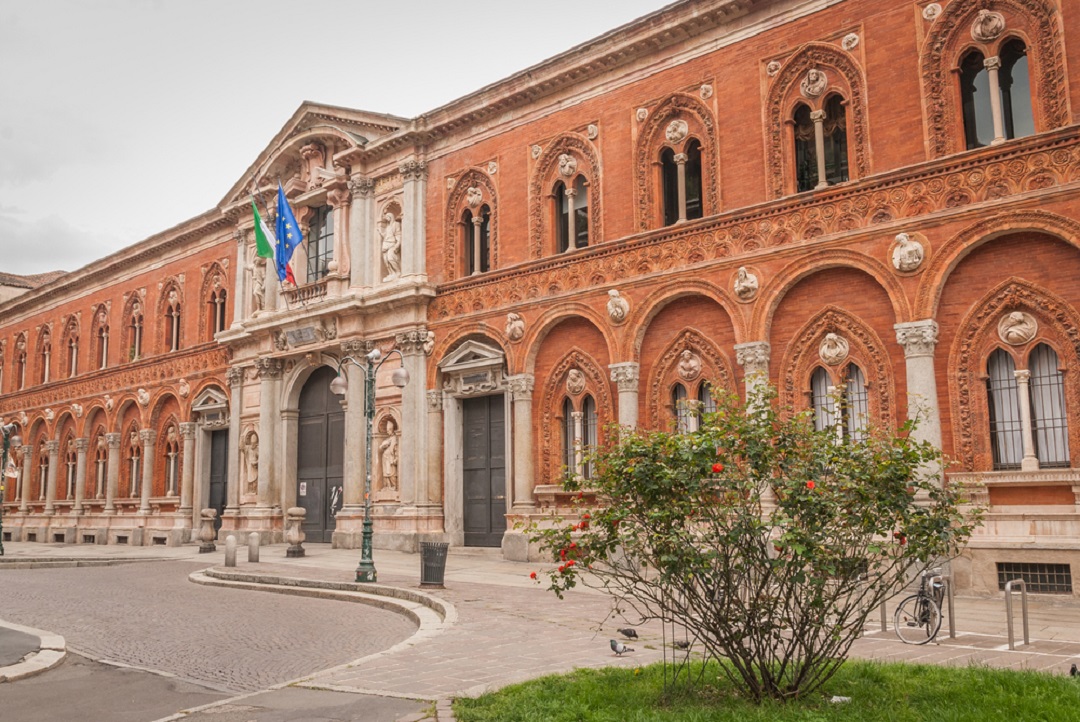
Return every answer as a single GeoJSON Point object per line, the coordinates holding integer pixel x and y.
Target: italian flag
{"type": "Point", "coordinates": [264, 248]}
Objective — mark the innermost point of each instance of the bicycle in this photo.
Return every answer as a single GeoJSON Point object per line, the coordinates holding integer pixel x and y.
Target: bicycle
{"type": "Point", "coordinates": [918, 618]}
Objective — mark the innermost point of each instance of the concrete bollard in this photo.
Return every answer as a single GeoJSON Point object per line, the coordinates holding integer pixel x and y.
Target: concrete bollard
{"type": "Point", "coordinates": [230, 551]}
{"type": "Point", "coordinates": [253, 546]}
{"type": "Point", "coordinates": [294, 531]}
{"type": "Point", "coordinates": [206, 531]}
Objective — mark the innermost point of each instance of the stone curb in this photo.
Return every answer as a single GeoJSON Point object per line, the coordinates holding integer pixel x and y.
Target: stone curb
{"type": "Point", "coordinates": [69, 562]}
{"type": "Point", "coordinates": [52, 649]}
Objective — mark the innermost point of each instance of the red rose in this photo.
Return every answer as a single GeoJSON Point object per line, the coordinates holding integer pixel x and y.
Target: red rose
{"type": "Point", "coordinates": [585, 515]}
{"type": "Point", "coordinates": [573, 545]}
{"type": "Point", "coordinates": [570, 564]}
{"type": "Point", "coordinates": [562, 568]}
{"type": "Point", "coordinates": [717, 468]}
{"type": "Point", "coordinates": [562, 553]}
{"type": "Point", "coordinates": [532, 575]}
{"type": "Point", "coordinates": [581, 495]}
{"type": "Point", "coordinates": [903, 540]}
{"type": "Point", "coordinates": [810, 485]}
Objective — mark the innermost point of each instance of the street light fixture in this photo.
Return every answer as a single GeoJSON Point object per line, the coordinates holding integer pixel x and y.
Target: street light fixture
{"type": "Point", "coordinates": [365, 571]}
{"type": "Point", "coordinates": [9, 436]}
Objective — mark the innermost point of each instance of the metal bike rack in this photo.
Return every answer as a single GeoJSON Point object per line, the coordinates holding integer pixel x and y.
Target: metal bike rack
{"type": "Point", "coordinates": [946, 580]}
{"type": "Point", "coordinates": [1023, 610]}
{"type": "Point", "coordinates": [884, 616]}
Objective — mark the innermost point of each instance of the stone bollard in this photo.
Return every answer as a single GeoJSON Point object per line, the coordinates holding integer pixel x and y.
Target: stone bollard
{"type": "Point", "coordinates": [206, 531]}
{"type": "Point", "coordinates": [230, 551]}
{"type": "Point", "coordinates": [294, 531]}
{"type": "Point", "coordinates": [253, 546]}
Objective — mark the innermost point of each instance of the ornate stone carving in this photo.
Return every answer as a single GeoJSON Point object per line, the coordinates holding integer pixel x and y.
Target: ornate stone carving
{"type": "Point", "coordinates": [772, 68]}
{"type": "Point", "coordinates": [575, 382]}
{"type": "Point", "coordinates": [429, 343]}
{"type": "Point", "coordinates": [546, 171]}
{"type": "Point", "coordinates": [361, 186]}
{"type": "Point", "coordinates": [676, 130]}
{"type": "Point", "coordinates": [850, 41]}
{"type": "Point", "coordinates": [1017, 328]}
{"type": "Point", "coordinates": [907, 254]}
{"type": "Point", "coordinates": [434, 400]}
{"type": "Point", "coordinates": [414, 342]}
{"type": "Point", "coordinates": [550, 408]}
{"type": "Point", "coordinates": [143, 397]}
{"type": "Point", "coordinates": [521, 386]}
{"type": "Point", "coordinates": [234, 376]}
{"type": "Point", "coordinates": [918, 338]}
{"type": "Point", "coordinates": [388, 458]}
{"type": "Point", "coordinates": [814, 84]}
{"type": "Point", "coordinates": [474, 197]}
{"type": "Point", "coordinates": [413, 170]}
{"type": "Point", "coordinates": [535, 151]}
{"type": "Point", "coordinates": [515, 327]}
{"type": "Point", "coordinates": [714, 367]}
{"type": "Point", "coordinates": [77, 409]}
{"type": "Point", "coordinates": [930, 12]}
{"type": "Point", "coordinates": [626, 375]}
{"type": "Point", "coordinates": [356, 348]}
{"type": "Point", "coordinates": [183, 388]}
{"type": "Point", "coordinates": [834, 349]}
{"type": "Point", "coordinates": [281, 340]}
{"type": "Point", "coordinates": [988, 26]}
{"type": "Point", "coordinates": [326, 329]}
{"type": "Point", "coordinates": [592, 131]}
{"type": "Point", "coordinates": [705, 91]}
{"type": "Point", "coordinates": [268, 368]}
{"type": "Point", "coordinates": [50, 414]}
{"type": "Point", "coordinates": [492, 167]}
{"type": "Point", "coordinates": [567, 165]}
{"type": "Point", "coordinates": [618, 307]}
{"type": "Point", "coordinates": [258, 285]}
{"type": "Point", "coordinates": [753, 356]}
{"type": "Point", "coordinates": [108, 401]}
{"type": "Point", "coordinates": [251, 462]}
{"type": "Point", "coordinates": [746, 284]}
{"type": "Point", "coordinates": [390, 232]}
{"type": "Point", "coordinates": [641, 114]}
{"type": "Point", "coordinates": [689, 367]}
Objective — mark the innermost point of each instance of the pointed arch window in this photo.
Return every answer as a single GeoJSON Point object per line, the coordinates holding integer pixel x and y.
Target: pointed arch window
{"type": "Point", "coordinates": [172, 322]}
{"type": "Point", "coordinates": [821, 400]}
{"type": "Point", "coordinates": [46, 357]}
{"type": "Point", "coordinates": [134, 464]}
{"type": "Point", "coordinates": [588, 437]}
{"type": "Point", "coordinates": [856, 405]}
{"type": "Point", "coordinates": [975, 99]}
{"type": "Point", "coordinates": [1050, 423]}
{"type": "Point", "coordinates": [1015, 90]}
{"type": "Point", "coordinates": [216, 312]}
{"type": "Point", "coordinates": [1006, 439]}
{"type": "Point", "coordinates": [705, 398]}
{"type": "Point", "coordinates": [477, 239]}
{"type": "Point", "coordinates": [101, 459]}
{"type": "Point", "coordinates": [680, 182]}
{"type": "Point", "coordinates": [71, 458]}
{"type": "Point", "coordinates": [103, 346]}
{"type": "Point", "coordinates": [995, 94]}
{"type": "Point", "coordinates": [571, 215]}
{"type": "Point", "coordinates": [136, 328]}
{"type": "Point", "coordinates": [320, 243]}
{"type": "Point", "coordinates": [43, 469]}
{"type": "Point", "coordinates": [569, 435]}
{"type": "Point", "coordinates": [20, 360]}
{"type": "Point", "coordinates": [172, 461]}
{"type": "Point", "coordinates": [821, 157]}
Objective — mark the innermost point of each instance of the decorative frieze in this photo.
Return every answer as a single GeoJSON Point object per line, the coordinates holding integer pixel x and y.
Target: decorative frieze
{"type": "Point", "coordinates": [268, 368]}
{"type": "Point", "coordinates": [419, 341]}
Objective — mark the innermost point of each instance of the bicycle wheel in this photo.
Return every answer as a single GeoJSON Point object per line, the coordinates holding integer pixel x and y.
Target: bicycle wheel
{"type": "Point", "coordinates": [917, 620]}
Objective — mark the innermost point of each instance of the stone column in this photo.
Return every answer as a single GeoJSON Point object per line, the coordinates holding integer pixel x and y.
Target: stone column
{"type": "Point", "coordinates": [112, 472]}
{"type": "Point", "coordinates": [235, 378]}
{"type": "Point", "coordinates": [339, 199]}
{"type": "Point", "coordinates": [818, 116]}
{"type": "Point", "coordinates": [754, 358]}
{"type": "Point", "coordinates": [579, 434]}
{"type": "Point", "coordinates": [521, 393]}
{"type": "Point", "coordinates": [362, 232]}
{"type": "Point", "coordinates": [149, 443]}
{"type": "Point", "coordinates": [269, 370]}
{"type": "Point", "coordinates": [28, 456]}
{"type": "Point", "coordinates": [187, 469]}
{"type": "Point", "coordinates": [240, 277]}
{"type": "Point", "coordinates": [626, 376]}
{"type": "Point", "coordinates": [355, 430]}
{"type": "Point", "coordinates": [413, 223]}
{"type": "Point", "coordinates": [81, 445]}
{"type": "Point", "coordinates": [433, 477]}
{"type": "Point", "coordinates": [919, 339]}
{"type": "Point", "coordinates": [1030, 462]}
{"type": "Point", "coordinates": [571, 236]}
{"type": "Point", "coordinates": [412, 468]}
{"type": "Point", "coordinates": [53, 448]}
{"type": "Point", "coordinates": [680, 175]}
{"type": "Point", "coordinates": [477, 221]}
{"type": "Point", "coordinates": [992, 65]}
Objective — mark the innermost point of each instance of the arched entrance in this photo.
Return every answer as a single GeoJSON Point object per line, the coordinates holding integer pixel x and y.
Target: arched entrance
{"type": "Point", "coordinates": [320, 455]}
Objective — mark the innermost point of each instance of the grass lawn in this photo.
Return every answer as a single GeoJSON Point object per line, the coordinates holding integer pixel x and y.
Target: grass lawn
{"type": "Point", "coordinates": [887, 692]}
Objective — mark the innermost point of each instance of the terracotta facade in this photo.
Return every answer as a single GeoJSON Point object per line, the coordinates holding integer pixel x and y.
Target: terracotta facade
{"type": "Point", "coordinates": [484, 241]}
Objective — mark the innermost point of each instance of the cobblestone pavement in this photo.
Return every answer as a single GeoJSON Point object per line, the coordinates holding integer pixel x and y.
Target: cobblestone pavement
{"type": "Point", "coordinates": [148, 615]}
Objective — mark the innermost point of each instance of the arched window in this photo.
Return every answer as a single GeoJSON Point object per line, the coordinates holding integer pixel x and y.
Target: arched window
{"type": "Point", "coordinates": [136, 328]}
{"type": "Point", "coordinates": [20, 361]}
{"type": "Point", "coordinates": [101, 459]}
{"type": "Point", "coordinates": [72, 344]}
{"type": "Point", "coordinates": [975, 97]}
{"type": "Point", "coordinates": [693, 203]}
{"type": "Point", "coordinates": [45, 357]}
{"type": "Point", "coordinates": [1006, 440]}
{"type": "Point", "coordinates": [820, 145]}
{"type": "Point", "coordinates": [172, 321]}
{"type": "Point", "coordinates": [134, 464]}
{"type": "Point", "coordinates": [669, 183]}
{"type": "Point", "coordinates": [588, 437]}
{"type": "Point", "coordinates": [834, 131]}
{"type": "Point", "coordinates": [477, 234]}
{"type": "Point", "coordinates": [806, 173]}
{"type": "Point", "coordinates": [103, 346]}
{"type": "Point", "coordinates": [821, 400]}
{"type": "Point", "coordinates": [562, 218]}
{"type": "Point", "coordinates": [1048, 418]}
{"type": "Point", "coordinates": [43, 469]}
{"type": "Point", "coordinates": [320, 243]}
{"type": "Point", "coordinates": [569, 437]}
{"type": "Point", "coordinates": [856, 405]}
{"type": "Point", "coordinates": [216, 312]}
{"type": "Point", "coordinates": [705, 398]}
{"type": "Point", "coordinates": [71, 457]}
{"type": "Point", "coordinates": [172, 461]}
{"type": "Point", "coordinates": [685, 418]}
{"type": "Point", "coordinates": [571, 215]}
{"type": "Point", "coordinates": [680, 182]}
{"type": "Point", "coordinates": [1015, 90]}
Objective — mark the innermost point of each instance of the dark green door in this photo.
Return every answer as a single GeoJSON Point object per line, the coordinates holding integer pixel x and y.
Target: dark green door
{"type": "Point", "coordinates": [484, 471]}
{"type": "Point", "coordinates": [320, 456]}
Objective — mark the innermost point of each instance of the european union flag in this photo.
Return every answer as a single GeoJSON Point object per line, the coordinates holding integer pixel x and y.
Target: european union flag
{"type": "Point", "coordinates": [288, 235]}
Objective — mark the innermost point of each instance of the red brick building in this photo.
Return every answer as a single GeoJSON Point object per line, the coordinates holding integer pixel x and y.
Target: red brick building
{"type": "Point", "coordinates": [864, 196]}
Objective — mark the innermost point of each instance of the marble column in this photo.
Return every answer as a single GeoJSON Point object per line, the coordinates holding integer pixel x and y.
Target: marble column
{"type": "Point", "coordinates": [993, 65]}
{"type": "Point", "coordinates": [627, 376]}
{"type": "Point", "coordinates": [53, 449]}
{"type": "Point", "coordinates": [413, 223]}
{"type": "Point", "coordinates": [521, 393]}
{"type": "Point", "coordinates": [1030, 462]}
{"type": "Point", "coordinates": [355, 429]}
{"type": "Point", "coordinates": [919, 339]}
{"type": "Point", "coordinates": [269, 370]}
{"type": "Point", "coordinates": [571, 226]}
{"type": "Point", "coordinates": [146, 484]}
{"type": "Point", "coordinates": [81, 445]}
{"type": "Point", "coordinates": [112, 472]}
{"type": "Point", "coordinates": [754, 358]}
{"type": "Point", "coordinates": [187, 467]}
{"type": "Point", "coordinates": [362, 246]}
{"type": "Point", "coordinates": [818, 116]}
{"type": "Point", "coordinates": [339, 199]}
{"type": "Point", "coordinates": [235, 378]}
{"type": "Point", "coordinates": [412, 468]}
{"type": "Point", "coordinates": [433, 476]}
{"type": "Point", "coordinates": [239, 275]}
{"type": "Point", "coordinates": [24, 500]}
{"type": "Point", "coordinates": [680, 178]}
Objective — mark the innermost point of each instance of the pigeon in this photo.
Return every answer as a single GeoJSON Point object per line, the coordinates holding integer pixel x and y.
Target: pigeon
{"type": "Point", "coordinates": [681, 644]}
{"type": "Point", "coordinates": [618, 648]}
{"type": "Point", "coordinates": [1073, 671]}
{"type": "Point", "coordinates": [628, 632]}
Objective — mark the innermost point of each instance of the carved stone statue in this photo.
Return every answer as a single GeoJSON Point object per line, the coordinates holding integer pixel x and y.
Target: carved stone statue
{"type": "Point", "coordinates": [390, 230]}
{"type": "Point", "coordinates": [49, 414]}
{"type": "Point", "coordinates": [251, 462]}
{"type": "Point", "coordinates": [109, 403]}
{"type": "Point", "coordinates": [689, 365]}
{"type": "Point", "coordinates": [746, 284]}
{"type": "Point", "coordinates": [814, 84]}
{"type": "Point", "coordinates": [474, 196]}
{"type": "Point", "coordinates": [388, 457]}
{"type": "Point", "coordinates": [676, 130]}
{"type": "Point", "coordinates": [143, 396]}
{"type": "Point", "coordinates": [1017, 328]}
{"type": "Point", "coordinates": [618, 308]}
{"type": "Point", "coordinates": [77, 409]}
{"type": "Point", "coordinates": [567, 165]}
{"type": "Point", "coordinates": [988, 26]}
{"type": "Point", "coordinates": [834, 349]}
{"type": "Point", "coordinates": [908, 253]}
{"type": "Point", "coordinates": [429, 343]}
{"type": "Point", "coordinates": [258, 285]}
{"type": "Point", "coordinates": [515, 326]}
{"type": "Point", "coordinates": [183, 388]}
{"type": "Point", "coordinates": [575, 381]}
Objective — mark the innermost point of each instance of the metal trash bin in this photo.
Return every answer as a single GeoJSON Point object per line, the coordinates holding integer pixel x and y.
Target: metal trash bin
{"type": "Point", "coordinates": [433, 563]}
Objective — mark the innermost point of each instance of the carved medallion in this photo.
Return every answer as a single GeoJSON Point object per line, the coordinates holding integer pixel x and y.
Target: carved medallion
{"type": "Point", "coordinates": [772, 68]}
{"type": "Point", "coordinates": [474, 196]}
{"type": "Point", "coordinates": [930, 12]}
{"type": "Point", "coordinates": [689, 365]}
{"type": "Point", "coordinates": [567, 165]}
{"type": "Point", "coordinates": [746, 284]}
{"type": "Point", "coordinates": [515, 327]}
{"type": "Point", "coordinates": [988, 26]}
{"type": "Point", "coordinates": [705, 91]}
{"type": "Point", "coordinates": [592, 131]}
{"type": "Point", "coordinates": [492, 168]}
{"type": "Point", "coordinates": [676, 130]}
{"type": "Point", "coordinates": [1017, 328]}
{"type": "Point", "coordinates": [575, 382]}
{"type": "Point", "coordinates": [642, 114]}
{"type": "Point", "coordinates": [850, 41]}
{"type": "Point", "coordinates": [814, 84]}
{"type": "Point", "coordinates": [535, 151]}
{"type": "Point", "coordinates": [834, 349]}
{"type": "Point", "coordinates": [618, 308]}
{"type": "Point", "coordinates": [907, 254]}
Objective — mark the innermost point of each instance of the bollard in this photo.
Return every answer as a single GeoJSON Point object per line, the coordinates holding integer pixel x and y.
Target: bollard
{"type": "Point", "coordinates": [1023, 610]}
{"type": "Point", "coordinates": [206, 531]}
{"type": "Point", "coordinates": [294, 531]}
{"type": "Point", "coordinates": [230, 551]}
{"type": "Point", "coordinates": [253, 546]}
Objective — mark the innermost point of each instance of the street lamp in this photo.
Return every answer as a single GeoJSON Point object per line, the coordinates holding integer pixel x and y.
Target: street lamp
{"type": "Point", "coordinates": [8, 433]}
{"type": "Point", "coordinates": [365, 571]}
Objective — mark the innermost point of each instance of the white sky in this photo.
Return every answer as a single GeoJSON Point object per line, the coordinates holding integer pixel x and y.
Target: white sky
{"type": "Point", "coordinates": [122, 118]}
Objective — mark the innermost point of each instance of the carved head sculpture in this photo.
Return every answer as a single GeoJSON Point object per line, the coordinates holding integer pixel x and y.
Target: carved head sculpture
{"type": "Point", "coordinates": [567, 165]}
{"type": "Point", "coordinates": [814, 84]}
{"type": "Point", "coordinates": [617, 306]}
{"type": "Point", "coordinates": [1017, 328]}
{"type": "Point", "coordinates": [474, 196]}
{"type": "Point", "coordinates": [834, 349]}
{"type": "Point", "coordinates": [988, 26]}
{"type": "Point", "coordinates": [575, 381]}
{"type": "Point", "coordinates": [676, 130]}
{"type": "Point", "coordinates": [689, 365]}
{"type": "Point", "coordinates": [515, 326]}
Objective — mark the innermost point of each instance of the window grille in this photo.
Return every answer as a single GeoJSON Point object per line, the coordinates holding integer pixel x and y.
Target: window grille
{"type": "Point", "coordinates": [857, 411]}
{"type": "Point", "coordinates": [821, 401]}
{"type": "Point", "coordinates": [588, 441]}
{"type": "Point", "coordinates": [1039, 578]}
{"type": "Point", "coordinates": [1006, 441]}
{"type": "Point", "coordinates": [1048, 419]}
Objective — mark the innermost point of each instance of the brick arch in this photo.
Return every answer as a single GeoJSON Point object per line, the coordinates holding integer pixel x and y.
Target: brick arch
{"type": "Point", "coordinates": [66, 434]}
{"type": "Point", "coordinates": [702, 127]}
{"type": "Point", "coordinates": [135, 300]}
{"type": "Point", "coordinates": [846, 78]}
{"type": "Point", "coordinates": [774, 290]}
{"type": "Point", "coordinates": [214, 278]}
{"type": "Point", "coordinates": [554, 391]}
{"type": "Point", "coordinates": [542, 326]}
{"type": "Point", "coordinates": [170, 285]}
{"type": "Point", "coordinates": [716, 368]}
{"type": "Point", "coordinates": [545, 175]}
{"type": "Point", "coordinates": [1059, 327]}
{"type": "Point", "coordinates": [643, 314]}
{"type": "Point", "coordinates": [455, 206]}
{"type": "Point", "coordinates": [953, 251]}
{"type": "Point", "coordinates": [45, 335]}
{"type": "Point", "coordinates": [949, 38]}
{"type": "Point", "coordinates": [866, 349]}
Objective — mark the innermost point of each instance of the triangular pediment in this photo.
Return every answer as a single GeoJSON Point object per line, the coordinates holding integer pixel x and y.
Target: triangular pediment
{"type": "Point", "coordinates": [472, 355]}
{"type": "Point", "coordinates": [210, 399]}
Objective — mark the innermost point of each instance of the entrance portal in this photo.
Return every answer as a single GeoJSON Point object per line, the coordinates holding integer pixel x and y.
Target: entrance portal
{"type": "Point", "coordinates": [484, 471]}
{"type": "Point", "coordinates": [219, 471]}
{"type": "Point", "coordinates": [320, 455]}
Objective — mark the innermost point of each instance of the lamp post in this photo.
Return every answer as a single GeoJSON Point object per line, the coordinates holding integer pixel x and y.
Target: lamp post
{"type": "Point", "coordinates": [365, 570]}
{"type": "Point", "coordinates": [8, 433]}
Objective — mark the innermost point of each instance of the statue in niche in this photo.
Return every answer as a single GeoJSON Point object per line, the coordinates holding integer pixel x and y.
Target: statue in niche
{"type": "Point", "coordinates": [1017, 328]}
{"type": "Point", "coordinates": [515, 326]}
{"type": "Point", "coordinates": [834, 349]}
{"type": "Point", "coordinates": [814, 84]}
{"type": "Point", "coordinates": [251, 462]}
{"type": "Point", "coordinates": [575, 381]}
{"type": "Point", "coordinates": [390, 231]}
{"type": "Point", "coordinates": [618, 308]}
{"type": "Point", "coordinates": [746, 284]}
{"type": "Point", "coordinates": [388, 457]}
{"type": "Point", "coordinates": [258, 285]}
{"type": "Point", "coordinates": [908, 253]}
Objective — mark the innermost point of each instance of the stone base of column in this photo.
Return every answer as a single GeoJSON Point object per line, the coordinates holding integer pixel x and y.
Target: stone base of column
{"type": "Point", "coordinates": [399, 531]}
{"type": "Point", "coordinates": [516, 547]}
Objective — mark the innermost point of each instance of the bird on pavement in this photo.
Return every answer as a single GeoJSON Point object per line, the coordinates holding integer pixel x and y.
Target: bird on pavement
{"type": "Point", "coordinates": [681, 644]}
{"type": "Point", "coordinates": [628, 632]}
{"type": "Point", "coordinates": [618, 648]}
{"type": "Point", "coordinates": [1073, 671]}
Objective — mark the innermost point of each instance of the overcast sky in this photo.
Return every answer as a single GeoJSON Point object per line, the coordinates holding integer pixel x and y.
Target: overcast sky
{"type": "Point", "coordinates": [122, 118]}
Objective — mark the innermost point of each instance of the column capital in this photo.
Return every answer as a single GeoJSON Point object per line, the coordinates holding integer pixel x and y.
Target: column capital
{"type": "Point", "coordinates": [626, 375]}
{"type": "Point", "coordinates": [362, 186]}
{"type": "Point", "coordinates": [81, 445]}
{"type": "Point", "coordinates": [413, 170]}
{"type": "Point", "coordinates": [434, 401]}
{"type": "Point", "coordinates": [521, 386]}
{"type": "Point", "coordinates": [917, 337]}
{"type": "Point", "coordinates": [1022, 375]}
{"type": "Point", "coordinates": [27, 449]}
{"type": "Point", "coordinates": [234, 376]}
{"type": "Point", "coordinates": [753, 356]}
{"type": "Point", "coordinates": [356, 347]}
{"type": "Point", "coordinates": [187, 430]}
{"type": "Point", "coordinates": [53, 447]}
{"type": "Point", "coordinates": [992, 63]}
{"type": "Point", "coordinates": [418, 342]}
{"type": "Point", "coordinates": [113, 441]}
{"type": "Point", "coordinates": [148, 437]}
{"type": "Point", "coordinates": [818, 116]}
{"type": "Point", "coordinates": [681, 158]}
{"type": "Point", "coordinates": [268, 368]}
